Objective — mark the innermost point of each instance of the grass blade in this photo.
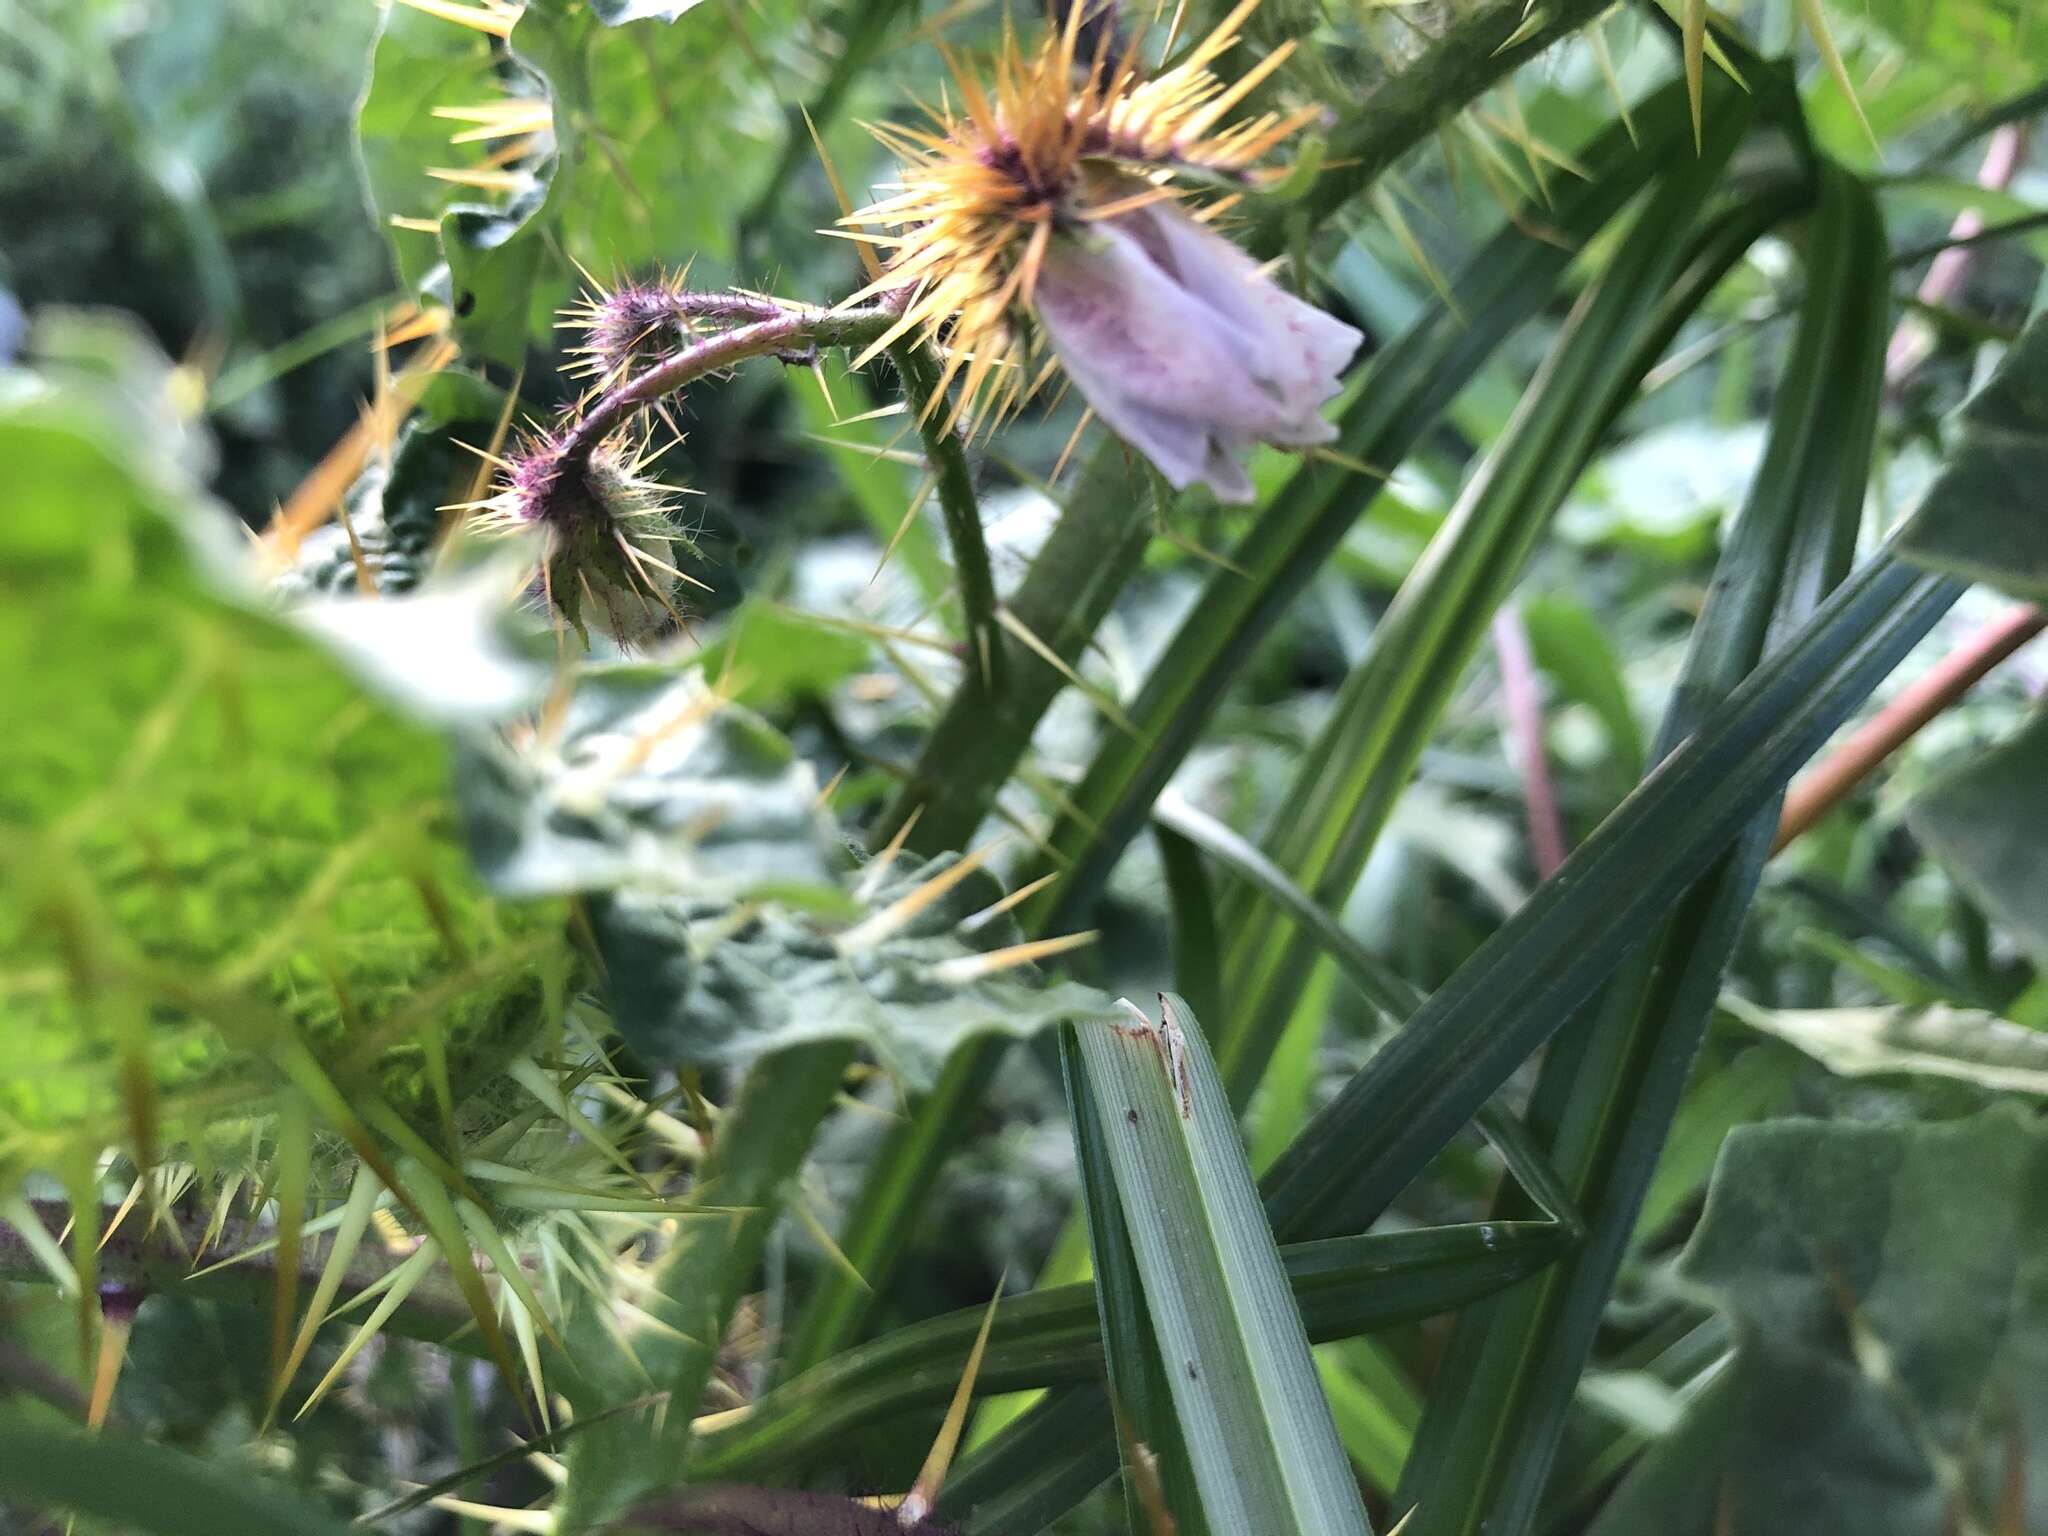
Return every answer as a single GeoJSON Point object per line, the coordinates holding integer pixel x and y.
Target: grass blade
{"type": "Point", "coordinates": [1051, 1338]}
{"type": "Point", "coordinates": [1522, 984]}
{"type": "Point", "coordinates": [1611, 1085]}
{"type": "Point", "coordinates": [1258, 1430]}
{"type": "Point", "coordinates": [143, 1487]}
{"type": "Point", "coordinates": [1347, 784]}
{"type": "Point", "coordinates": [1134, 1368]}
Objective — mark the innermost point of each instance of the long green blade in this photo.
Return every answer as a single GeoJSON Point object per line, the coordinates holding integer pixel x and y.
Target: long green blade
{"type": "Point", "coordinates": [1246, 1397]}
{"type": "Point", "coordinates": [1612, 1082]}
{"type": "Point", "coordinates": [59, 1468]}
{"type": "Point", "coordinates": [1344, 1287]}
{"type": "Point", "coordinates": [1524, 982]}
{"type": "Point", "coordinates": [1359, 766]}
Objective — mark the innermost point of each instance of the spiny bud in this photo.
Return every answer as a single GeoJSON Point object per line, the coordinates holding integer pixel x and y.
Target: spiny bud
{"type": "Point", "coordinates": [627, 327]}
{"type": "Point", "coordinates": [635, 324]}
{"type": "Point", "coordinates": [610, 533]}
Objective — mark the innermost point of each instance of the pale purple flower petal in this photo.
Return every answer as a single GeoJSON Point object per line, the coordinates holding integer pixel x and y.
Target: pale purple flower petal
{"type": "Point", "coordinates": [1184, 349]}
{"type": "Point", "coordinates": [1299, 351]}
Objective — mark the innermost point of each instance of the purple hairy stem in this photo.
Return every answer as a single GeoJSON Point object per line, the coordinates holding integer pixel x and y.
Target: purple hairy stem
{"type": "Point", "coordinates": [791, 329]}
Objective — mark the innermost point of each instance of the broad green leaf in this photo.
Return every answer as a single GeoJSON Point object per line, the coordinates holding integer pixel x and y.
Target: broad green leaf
{"type": "Point", "coordinates": [223, 856]}
{"type": "Point", "coordinates": [701, 983]}
{"type": "Point", "coordinates": [1990, 46]}
{"type": "Point", "coordinates": [1966, 1044]}
{"type": "Point", "coordinates": [645, 102]}
{"type": "Point", "coordinates": [48, 1464]}
{"type": "Point", "coordinates": [645, 778]}
{"type": "Point", "coordinates": [723, 897]}
{"type": "Point", "coordinates": [1247, 1399]}
{"type": "Point", "coordinates": [419, 64]}
{"type": "Point", "coordinates": [618, 108]}
{"type": "Point", "coordinates": [1887, 1285]}
{"type": "Point", "coordinates": [770, 657]}
{"type": "Point", "coordinates": [1982, 820]}
{"type": "Point", "coordinates": [1982, 516]}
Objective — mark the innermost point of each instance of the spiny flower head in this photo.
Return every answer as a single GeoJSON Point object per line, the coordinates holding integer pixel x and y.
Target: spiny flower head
{"type": "Point", "coordinates": [609, 531]}
{"type": "Point", "coordinates": [1047, 165]}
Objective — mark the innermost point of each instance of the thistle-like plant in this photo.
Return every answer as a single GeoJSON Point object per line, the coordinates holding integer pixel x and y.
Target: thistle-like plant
{"type": "Point", "coordinates": [1045, 215]}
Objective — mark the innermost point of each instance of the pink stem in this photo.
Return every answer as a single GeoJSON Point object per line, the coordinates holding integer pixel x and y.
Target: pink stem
{"type": "Point", "coordinates": [1950, 269]}
{"type": "Point", "coordinates": [790, 328]}
{"type": "Point", "coordinates": [1524, 705]}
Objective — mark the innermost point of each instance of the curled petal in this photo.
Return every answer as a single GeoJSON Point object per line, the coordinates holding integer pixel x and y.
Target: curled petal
{"type": "Point", "coordinates": [1184, 349]}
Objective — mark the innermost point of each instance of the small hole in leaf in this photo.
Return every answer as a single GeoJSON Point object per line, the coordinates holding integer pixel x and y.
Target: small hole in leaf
{"type": "Point", "coordinates": [465, 304]}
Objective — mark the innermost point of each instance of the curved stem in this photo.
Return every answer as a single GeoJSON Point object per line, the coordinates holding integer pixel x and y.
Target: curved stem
{"type": "Point", "coordinates": [791, 327]}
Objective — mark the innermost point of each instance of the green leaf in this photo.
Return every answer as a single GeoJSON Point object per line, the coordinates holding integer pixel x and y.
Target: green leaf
{"type": "Point", "coordinates": [494, 264]}
{"type": "Point", "coordinates": [54, 1466]}
{"type": "Point", "coordinates": [648, 779]}
{"type": "Point", "coordinates": [418, 63]}
{"type": "Point", "coordinates": [221, 853]}
{"type": "Point", "coordinates": [640, 94]}
{"type": "Point", "coordinates": [1569, 643]}
{"type": "Point", "coordinates": [1249, 1404]}
{"type": "Point", "coordinates": [1524, 982]}
{"type": "Point", "coordinates": [1965, 1044]}
{"type": "Point", "coordinates": [1153, 1445]}
{"type": "Point", "coordinates": [696, 983]}
{"type": "Point", "coordinates": [1990, 47]}
{"type": "Point", "coordinates": [1981, 819]}
{"type": "Point", "coordinates": [1889, 1374]}
{"type": "Point", "coordinates": [770, 657]}
{"type": "Point", "coordinates": [723, 896]}
{"type": "Point", "coordinates": [1053, 1456]}
{"type": "Point", "coordinates": [1982, 518]}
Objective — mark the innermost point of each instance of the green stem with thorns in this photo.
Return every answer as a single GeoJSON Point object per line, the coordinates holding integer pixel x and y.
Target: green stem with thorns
{"type": "Point", "coordinates": [954, 483]}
